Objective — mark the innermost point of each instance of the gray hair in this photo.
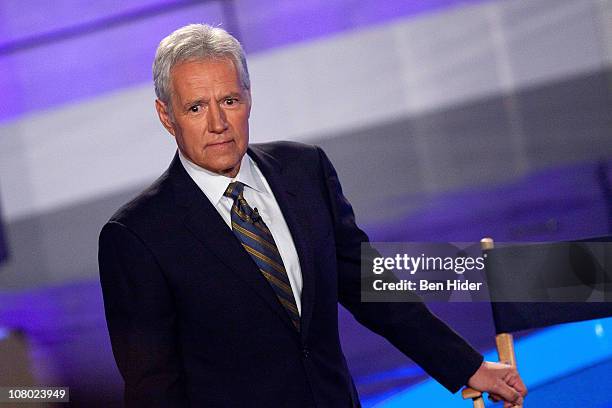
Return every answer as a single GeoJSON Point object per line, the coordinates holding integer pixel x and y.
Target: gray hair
{"type": "Point", "coordinates": [195, 42]}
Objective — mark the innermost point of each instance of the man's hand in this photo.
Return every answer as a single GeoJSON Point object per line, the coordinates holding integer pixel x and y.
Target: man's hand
{"type": "Point", "coordinates": [501, 381]}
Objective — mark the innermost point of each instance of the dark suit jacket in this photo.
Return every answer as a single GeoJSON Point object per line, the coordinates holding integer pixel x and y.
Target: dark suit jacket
{"type": "Point", "coordinates": [194, 324]}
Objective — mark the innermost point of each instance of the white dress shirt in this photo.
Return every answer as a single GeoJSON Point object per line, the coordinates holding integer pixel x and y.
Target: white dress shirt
{"type": "Point", "coordinates": [258, 194]}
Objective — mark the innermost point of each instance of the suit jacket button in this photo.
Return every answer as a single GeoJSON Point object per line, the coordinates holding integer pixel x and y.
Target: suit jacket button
{"type": "Point", "coordinates": [305, 352]}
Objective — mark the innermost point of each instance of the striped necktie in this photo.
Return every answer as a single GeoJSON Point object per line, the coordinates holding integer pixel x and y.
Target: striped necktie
{"type": "Point", "coordinates": [257, 240]}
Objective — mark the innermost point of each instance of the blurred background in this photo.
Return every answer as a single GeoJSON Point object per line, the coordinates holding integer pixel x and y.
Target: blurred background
{"type": "Point", "coordinates": [447, 120]}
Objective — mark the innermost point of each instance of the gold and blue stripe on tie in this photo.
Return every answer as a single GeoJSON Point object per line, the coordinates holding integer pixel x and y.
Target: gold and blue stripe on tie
{"type": "Point", "coordinates": [257, 240]}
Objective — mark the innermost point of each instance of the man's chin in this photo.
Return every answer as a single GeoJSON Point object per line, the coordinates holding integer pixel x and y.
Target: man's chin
{"type": "Point", "coordinates": [228, 170]}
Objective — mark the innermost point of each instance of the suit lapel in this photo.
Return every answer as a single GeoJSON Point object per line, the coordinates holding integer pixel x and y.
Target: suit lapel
{"type": "Point", "coordinates": [291, 206]}
{"type": "Point", "coordinates": [205, 223]}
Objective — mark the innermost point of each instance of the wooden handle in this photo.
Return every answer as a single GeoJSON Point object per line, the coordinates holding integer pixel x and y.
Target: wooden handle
{"type": "Point", "coordinates": [475, 396]}
{"type": "Point", "coordinates": [478, 402]}
{"type": "Point", "coordinates": [468, 393]}
{"type": "Point", "coordinates": [505, 348]}
{"type": "Point", "coordinates": [503, 341]}
{"type": "Point", "coordinates": [486, 243]}
{"type": "Point", "coordinates": [505, 351]}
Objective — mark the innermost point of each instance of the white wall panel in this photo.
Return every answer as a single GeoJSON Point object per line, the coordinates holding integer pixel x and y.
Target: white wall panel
{"type": "Point", "coordinates": [447, 58]}
{"type": "Point", "coordinates": [83, 151]}
{"type": "Point", "coordinates": [551, 39]}
{"type": "Point", "coordinates": [604, 14]}
{"type": "Point", "coordinates": [323, 87]}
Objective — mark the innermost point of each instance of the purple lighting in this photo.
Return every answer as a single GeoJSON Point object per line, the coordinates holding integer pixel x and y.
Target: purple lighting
{"type": "Point", "coordinates": [269, 23]}
{"type": "Point", "coordinates": [62, 52]}
{"type": "Point", "coordinates": [4, 333]}
{"type": "Point", "coordinates": [91, 64]}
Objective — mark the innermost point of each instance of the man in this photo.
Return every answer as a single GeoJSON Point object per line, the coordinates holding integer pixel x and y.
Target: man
{"type": "Point", "coordinates": [221, 281]}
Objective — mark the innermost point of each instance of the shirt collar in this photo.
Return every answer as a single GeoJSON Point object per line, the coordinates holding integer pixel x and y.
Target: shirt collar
{"type": "Point", "coordinates": [213, 185]}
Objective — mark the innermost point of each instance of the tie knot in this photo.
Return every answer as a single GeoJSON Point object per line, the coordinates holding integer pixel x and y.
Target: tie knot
{"type": "Point", "coordinates": [234, 190]}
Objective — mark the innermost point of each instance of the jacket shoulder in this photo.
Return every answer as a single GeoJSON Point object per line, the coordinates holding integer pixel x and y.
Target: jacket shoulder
{"type": "Point", "coordinates": [148, 205]}
{"type": "Point", "coordinates": [287, 152]}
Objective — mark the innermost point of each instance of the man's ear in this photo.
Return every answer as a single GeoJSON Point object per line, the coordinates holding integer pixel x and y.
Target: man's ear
{"type": "Point", "coordinates": [164, 116]}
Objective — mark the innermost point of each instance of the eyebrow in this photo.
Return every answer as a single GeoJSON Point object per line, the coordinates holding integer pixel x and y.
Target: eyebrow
{"type": "Point", "coordinates": [199, 101]}
{"type": "Point", "coordinates": [191, 103]}
{"type": "Point", "coordinates": [232, 95]}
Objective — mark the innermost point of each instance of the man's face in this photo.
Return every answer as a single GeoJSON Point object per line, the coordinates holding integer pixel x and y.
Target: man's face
{"type": "Point", "coordinates": [210, 114]}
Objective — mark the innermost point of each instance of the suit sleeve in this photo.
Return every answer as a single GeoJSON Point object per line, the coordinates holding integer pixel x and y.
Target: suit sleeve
{"type": "Point", "coordinates": [409, 326]}
{"type": "Point", "coordinates": [141, 320]}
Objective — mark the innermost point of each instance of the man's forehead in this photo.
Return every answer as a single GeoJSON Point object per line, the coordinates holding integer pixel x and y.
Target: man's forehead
{"type": "Point", "coordinates": [206, 74]}
{"type": "Point", "coordinates": [203, 65]}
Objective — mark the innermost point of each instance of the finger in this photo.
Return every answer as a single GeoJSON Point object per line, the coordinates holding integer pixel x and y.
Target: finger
{"type": "Point", "coordinates": [494, 397]}
{"type": "Point", "coordinates": [508, 393]}
{"type": "Point", "coordinates": [514, 380]}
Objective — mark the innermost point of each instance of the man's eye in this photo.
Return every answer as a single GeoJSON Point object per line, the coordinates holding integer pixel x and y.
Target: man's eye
{"type": "Point", "coordinates": [230, 101]}
{"type": "Point", "coordinates": [195, 108]}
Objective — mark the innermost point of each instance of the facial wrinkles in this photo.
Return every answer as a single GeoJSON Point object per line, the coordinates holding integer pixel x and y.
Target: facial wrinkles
{"type": "Point", "coordinates": [208, 86]}
{"type": "Point", "coordinates": [195, 87]}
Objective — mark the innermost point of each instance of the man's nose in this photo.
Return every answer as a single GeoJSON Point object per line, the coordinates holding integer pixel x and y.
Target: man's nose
{"type": "Point", "coordinates": [217, 122]}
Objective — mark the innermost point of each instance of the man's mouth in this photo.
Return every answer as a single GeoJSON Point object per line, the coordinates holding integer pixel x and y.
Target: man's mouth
{"type": "Point", "coordinates": [220, 143]}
